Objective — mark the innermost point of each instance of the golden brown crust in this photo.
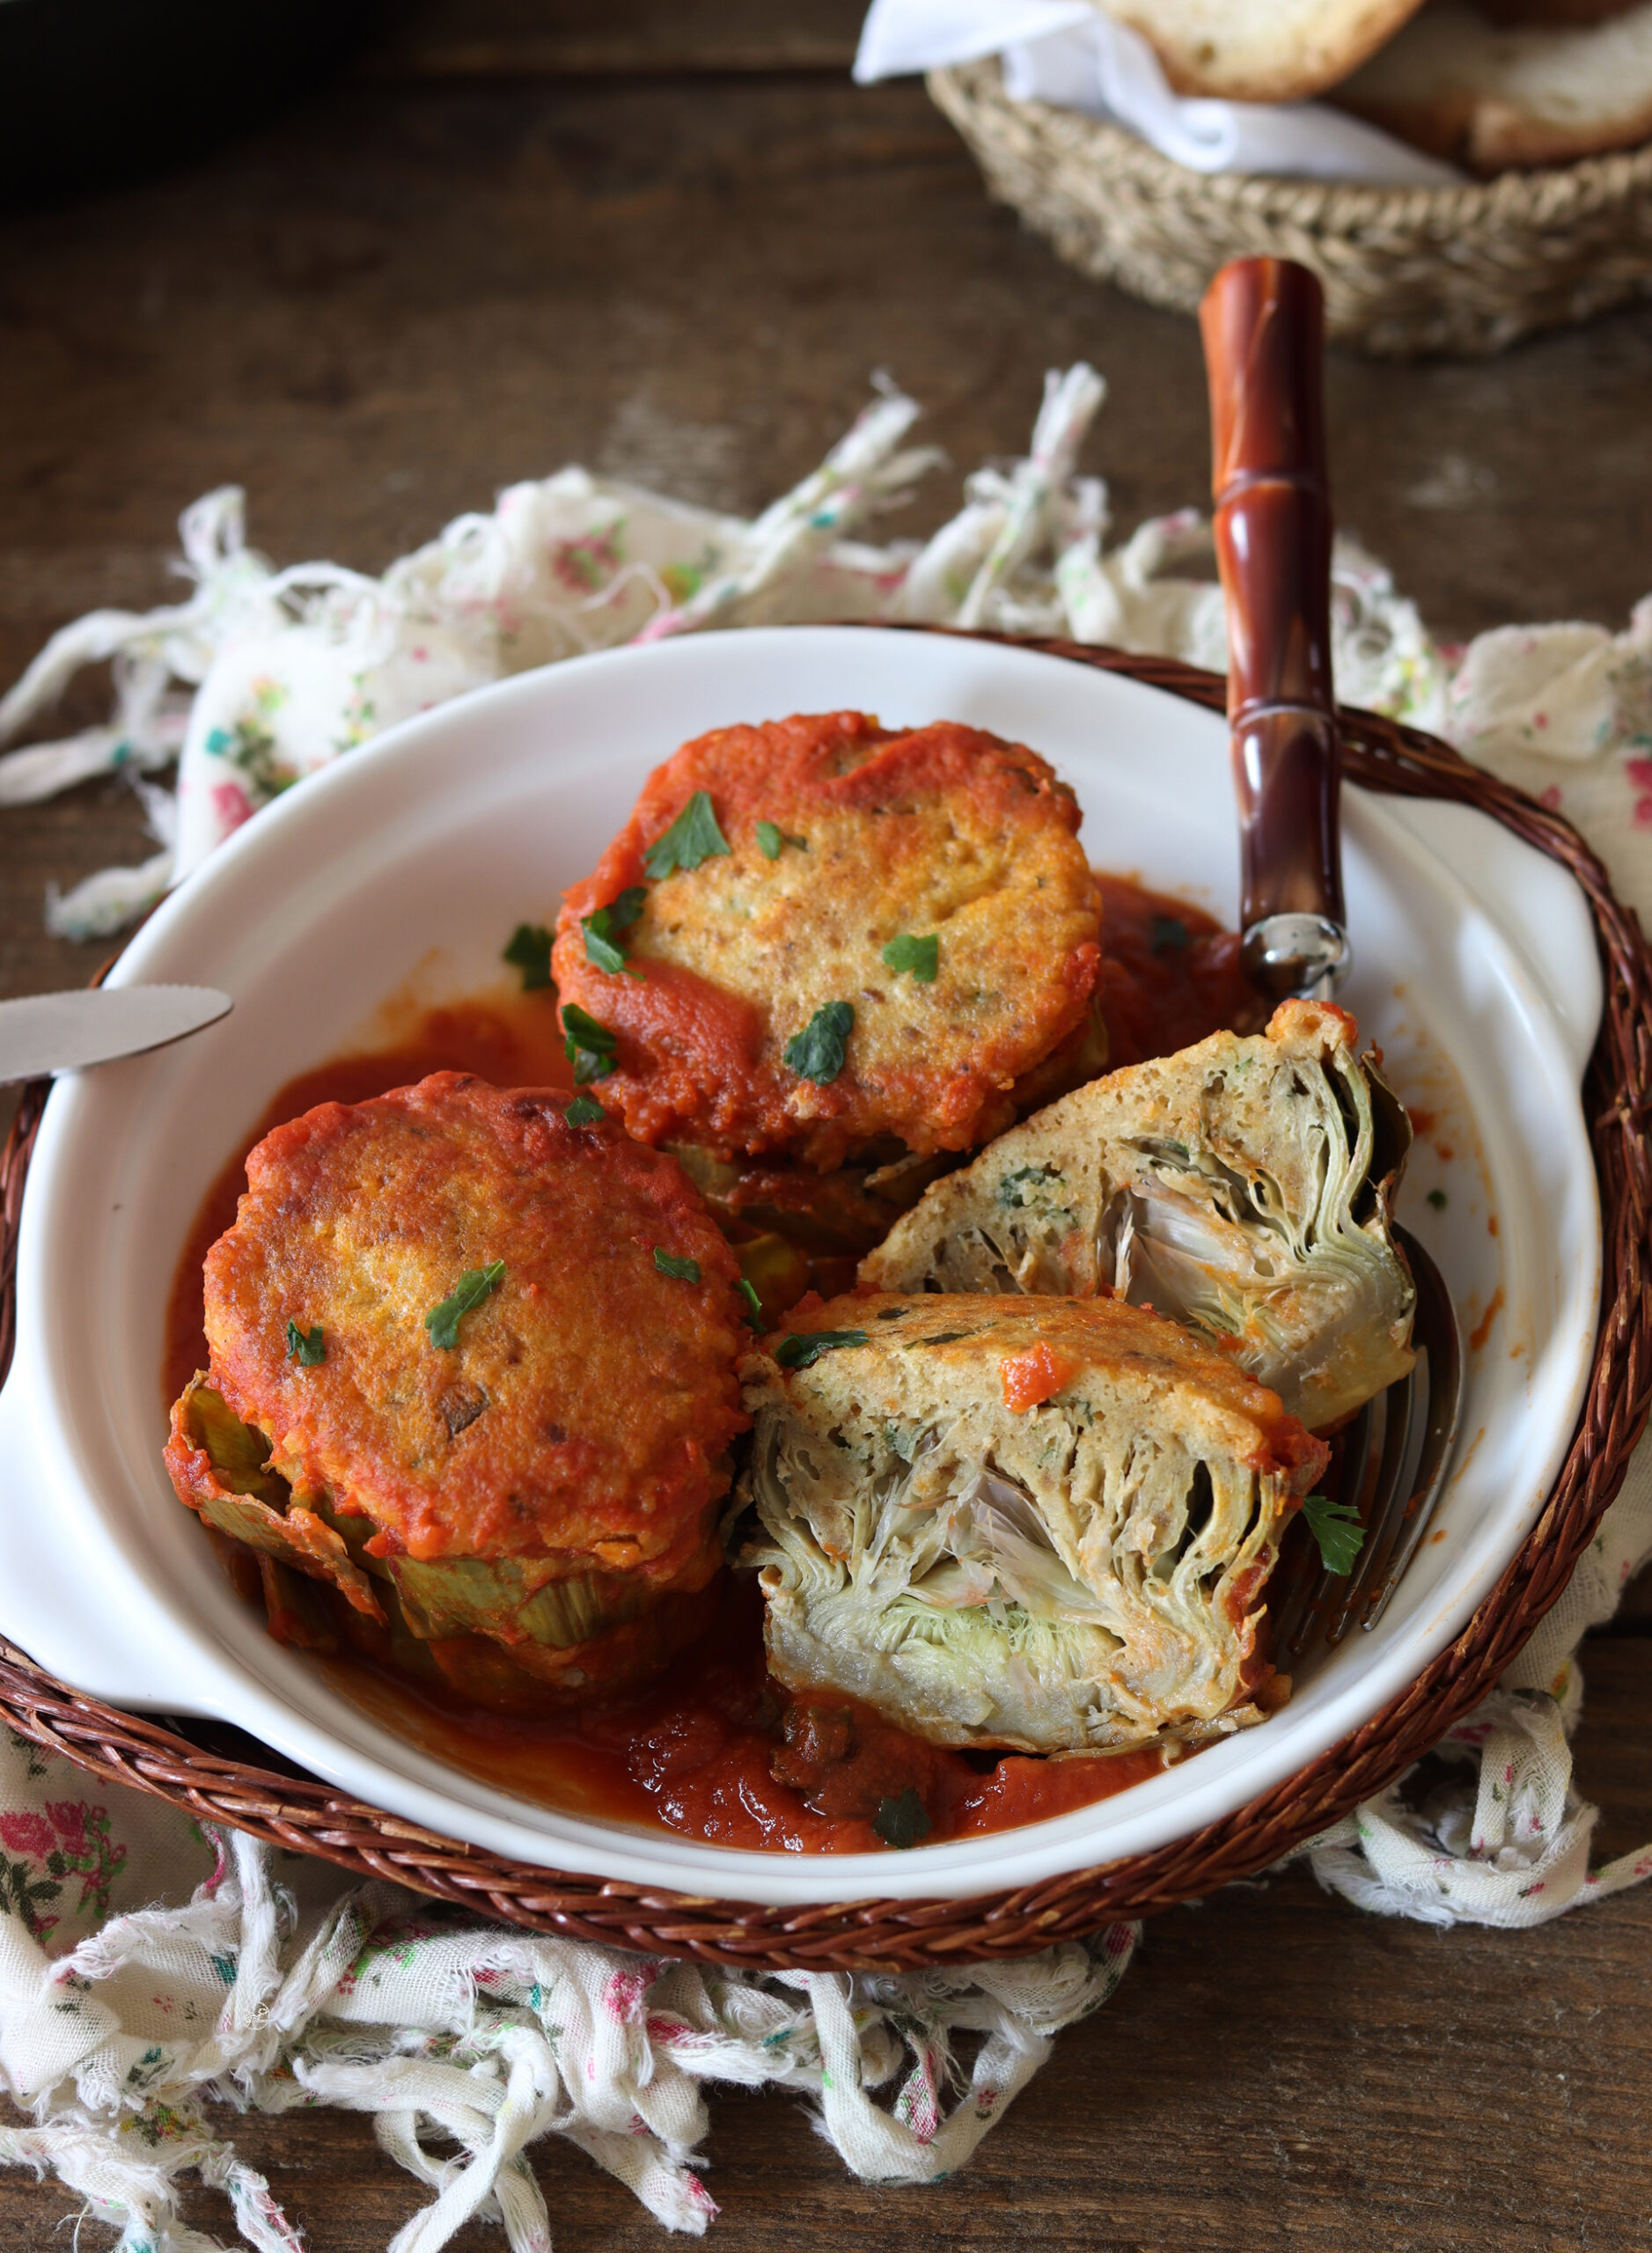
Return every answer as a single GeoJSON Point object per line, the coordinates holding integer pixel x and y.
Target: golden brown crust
{"type": "Point", "coordinates": [983, 1350]}
{"type": "Point", "coordinates": [587, 1406]}
{"type": "Point", "coordinates": [945, 830]}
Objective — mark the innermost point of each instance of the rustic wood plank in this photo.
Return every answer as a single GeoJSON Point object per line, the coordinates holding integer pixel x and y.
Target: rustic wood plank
{"type": "Point", "coordinates": [468, 39]}
{"type": "Point", "coordinates": [1277, 2070]}
{"type": "Point", "coordinates": [380, 308]}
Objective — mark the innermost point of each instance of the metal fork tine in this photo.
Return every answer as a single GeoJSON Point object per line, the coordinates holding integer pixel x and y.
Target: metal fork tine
{"type": "Point", "coordinates": [1438, 1321]}
{"type": "Point", "coordinates": [1360, 1460]}
{"type": "Point", "coordinates": [1380, 1502]}
{"type": "Point", "coordinates": [1394, 1509]}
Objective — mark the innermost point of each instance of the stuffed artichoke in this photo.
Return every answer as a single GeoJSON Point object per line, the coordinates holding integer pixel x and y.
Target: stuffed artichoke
{"type": "Point", "coordinates": [472, 1393]}
{"type": "Point", "coordinates": [1243, 1187]}
{"type": "Point", "coordinates": [1043, 1525]}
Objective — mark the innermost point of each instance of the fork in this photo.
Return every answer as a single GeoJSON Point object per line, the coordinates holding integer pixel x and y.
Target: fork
{"type": "Point", "coordinates": [1263, 324]}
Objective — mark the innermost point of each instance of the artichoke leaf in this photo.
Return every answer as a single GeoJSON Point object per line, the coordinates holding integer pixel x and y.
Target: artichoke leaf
{"type": "Point", "coordinates": [511, 1599]}
{"type": "Point", "coordinates": [220, 1467]}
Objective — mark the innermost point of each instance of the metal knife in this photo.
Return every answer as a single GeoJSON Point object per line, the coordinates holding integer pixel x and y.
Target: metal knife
{"type": "Point", "coordinates": [61, 1032]}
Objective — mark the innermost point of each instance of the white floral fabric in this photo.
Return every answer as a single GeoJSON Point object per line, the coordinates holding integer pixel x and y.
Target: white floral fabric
{"type": "Point", "coordinates": [149, 1969]}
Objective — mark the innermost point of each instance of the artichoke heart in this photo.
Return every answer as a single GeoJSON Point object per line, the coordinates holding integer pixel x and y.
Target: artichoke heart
{"type": "Point", "coordinates": [1243, 1187]}
{"type": "Point", "coordinates": [1040, 1525]}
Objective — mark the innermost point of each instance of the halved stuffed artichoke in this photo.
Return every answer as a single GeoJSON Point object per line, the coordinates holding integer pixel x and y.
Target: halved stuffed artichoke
{"type": "Point", "coordinates": [1243, 1187]}
{"type": "Point", "coordinates": [1036, 1524]}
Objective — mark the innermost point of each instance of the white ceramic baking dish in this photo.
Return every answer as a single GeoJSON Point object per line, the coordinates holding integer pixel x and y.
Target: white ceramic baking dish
{"type": "Point", "coordinates": [1475, 970]}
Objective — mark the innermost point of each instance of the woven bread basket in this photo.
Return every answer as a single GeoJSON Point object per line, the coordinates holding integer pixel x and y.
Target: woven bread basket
{"type": "Point", "coordinates": [1466, 268]}
{"type": "Point", "coordinates": [220, 1777]}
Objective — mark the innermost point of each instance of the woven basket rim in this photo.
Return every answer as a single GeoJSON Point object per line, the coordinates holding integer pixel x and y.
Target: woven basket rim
{"type": "Point", "coordinates": [1551, 192]}
{"type": "Point", "coordinates": [308, 1816]}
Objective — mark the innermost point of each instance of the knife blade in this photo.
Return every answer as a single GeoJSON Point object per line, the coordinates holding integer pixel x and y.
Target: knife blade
{"type": "Point", "coordinates": [63, 1033]}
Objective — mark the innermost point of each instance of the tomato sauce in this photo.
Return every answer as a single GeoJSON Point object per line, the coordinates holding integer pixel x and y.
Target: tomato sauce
{"type": "Point", "coordinates": [717, 1749]}
{"type": "Point", "coordinates": [1169, 974]}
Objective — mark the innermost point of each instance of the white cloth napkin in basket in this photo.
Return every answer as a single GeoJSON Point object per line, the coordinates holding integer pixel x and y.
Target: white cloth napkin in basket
{"type": "Point", "coordinates": [1067, 53]}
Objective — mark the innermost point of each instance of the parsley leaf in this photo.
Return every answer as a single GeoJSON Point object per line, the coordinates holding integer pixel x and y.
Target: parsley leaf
{"type": "Point", "coordinates": [902, 1822]}
{"type": "Point", "coordinates": [753, 1304]}
{"type": "Point", "coordinates": [589, 1047]}
{"type": "Point", "coordinates": [803, 1348]}
{"type": "Point", "coordinates": [685, 1271]}
{"type": "Point", "coordinates": [1335, 1525]}
{"type": "Point", "coordinates": [1170, 935]}
{"type": "Point", "coordinates": [1438, 1199]}
{"type": "Point", "coordinates": [817, 1052]}
{"type": "Point", "coordinates": [602, 928]}
{"type": "Point", "coordinates": [584, 1111]}
{"type": "Point", "coordinates": [920, 956]}
{"type": "Point", "coordinates": [307, 1347]}
{"type": "Point", "coordinates": [474, 1285]}
{"type": "Point", "coordinates": [530, 953]}
{"type": "Point", "coordinates": [692, 838]}
{"type": "Point", "coordinates": [771, 840]}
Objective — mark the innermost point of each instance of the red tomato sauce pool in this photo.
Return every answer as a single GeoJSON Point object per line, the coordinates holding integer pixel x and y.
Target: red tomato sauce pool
{"type": "Point", "coordinates": [717, 1749]}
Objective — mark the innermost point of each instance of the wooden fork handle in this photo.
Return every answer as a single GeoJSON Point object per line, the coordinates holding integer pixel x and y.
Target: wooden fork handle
{"type": "Point", "coordinates": [1263, 323]}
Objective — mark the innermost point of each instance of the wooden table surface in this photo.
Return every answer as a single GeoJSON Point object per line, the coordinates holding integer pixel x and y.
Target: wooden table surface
{"type": "Point", "coordinates": [670, 240]}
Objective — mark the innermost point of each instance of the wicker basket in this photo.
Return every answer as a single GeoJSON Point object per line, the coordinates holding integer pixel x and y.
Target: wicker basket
{"type": "Point", "coordinates": [242, 1785]}
{"type": "Point", "coordinates": [1466, 268]}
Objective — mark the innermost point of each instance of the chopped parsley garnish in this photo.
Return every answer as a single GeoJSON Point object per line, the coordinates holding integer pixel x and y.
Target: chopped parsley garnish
{"type": "Point", "coordinates": [530, 953]}
{"type": "Point", "coordinates": [1019, 1188]}
{"type": "Point", "coordinates": [685, 1271]}
{"type": "Point", "coordinates": [474, 1285]}
{"type": "Point", "coordinates": [771, 840]}
{"type": "Point", "coordinates": [920, 956]}
{"type": "Point", "coordinates": [817, 1052]}
{"type": "Point", "coordinates": [1335, 1525]}
{"type": "Point", "coordinates": [692, 838]}
{"type": "Point", "coordinates": [584, 1111]}
{"type": "Point", "coordinates": [753, 1304]}
{"type": "Point", "coordinates": [590, 1047]}
{"type": "Point", "coordinates": [1438, 1199]}
{"type": "Point", "coordinates": [1170, 933]}
{"type": "Point", "coordinates": [307, 1347]}
{"type": "Point", "coordinates": [902, 1822]}
{"type": "Point", "coordinates": [803, 1348]}
{"type": "Point", "coordinates": [603, 926]}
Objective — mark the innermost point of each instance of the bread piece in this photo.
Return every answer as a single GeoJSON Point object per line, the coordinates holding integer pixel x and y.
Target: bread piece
{"type": "Point", "coordinates": [1038, 1524]}
{"type": "Point", "coordinates": [1490, 97]}
{"type": "Point", "coordinates": [1261, 50]}
{"type": "Point", "coordinates": [1241, 1187]}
